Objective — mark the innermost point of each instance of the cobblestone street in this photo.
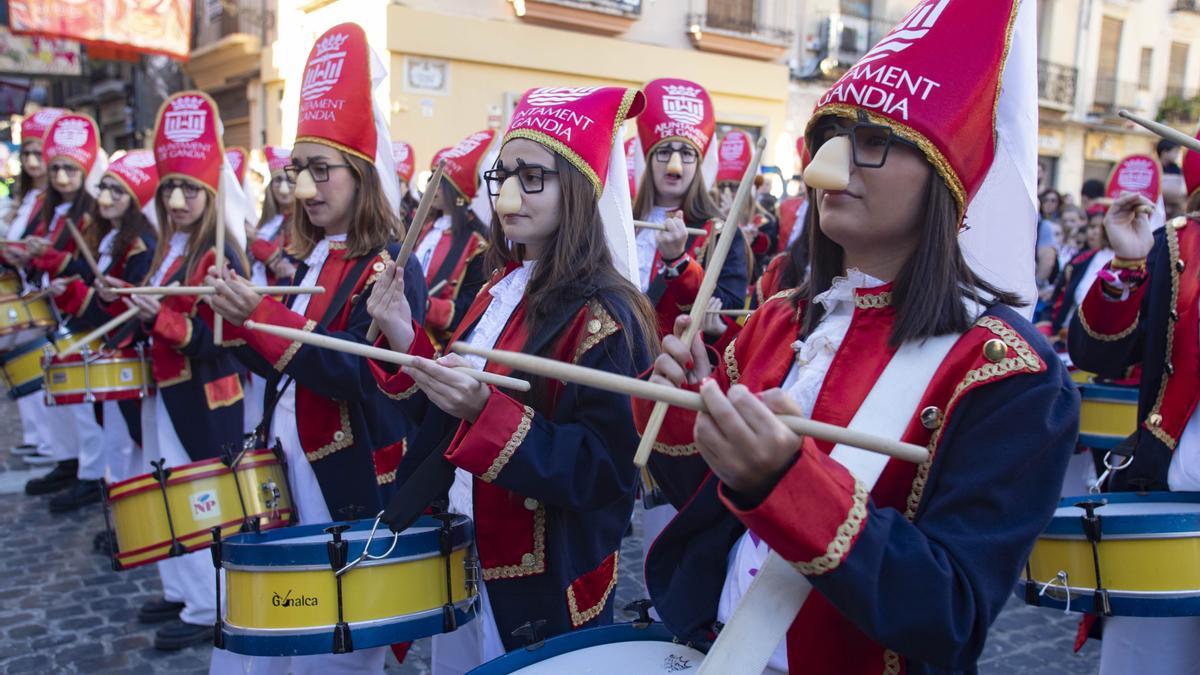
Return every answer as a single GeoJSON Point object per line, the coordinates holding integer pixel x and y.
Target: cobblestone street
{"type": "Point", "coordinates": [63, 610]}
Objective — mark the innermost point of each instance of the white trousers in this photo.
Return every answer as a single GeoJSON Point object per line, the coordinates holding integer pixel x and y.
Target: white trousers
{"type": "Point", "coordinates": [75, 434]}
{"type": "Point", "coordinates": [32, 408]}
{"type": "Point", "coordinates": [1150, 646]}
{"type": "Point", "coordinates": [122, 456]}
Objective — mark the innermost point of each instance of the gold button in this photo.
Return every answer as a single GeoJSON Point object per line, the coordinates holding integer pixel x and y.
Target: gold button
{"type": "Point", "coordinates": [339, 436]}
{"type": "Point", "coordinates": [931, 417]}
{"type": "Point", "coordinates": [995, 350]}
{"type": "Point", "coordinates": [527, 560]}
{"type": "Point", "coordinates": [354, 299]}
{"type": "Point", "coordinates": [1180, 266]}
{"type": "Point", "coordinates": [378, 266]}
{"type": "Point", "coordinates": [531, 503]}
{"type": "Point", "coordinates": [593, 326]}
{"type": "Point", "coordinates": [1179, 222]}
{"type": "Point", "coordinates": [1154, 420]}
{"type": "Point", "coordinates": [1170, 368]}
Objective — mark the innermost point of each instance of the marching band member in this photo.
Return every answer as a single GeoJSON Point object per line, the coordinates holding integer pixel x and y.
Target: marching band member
{"type": "Point", "coordinates": [402, 156]}
{"type": "Point", "coordinates": [756, 222]}
{"type": "Point", "coordinates": [1145, 309]}
{"type": "Point", "coordinates": [547, 477]}
{"type": "Point", "coordinates": [271, 264]}
{"type": "Point", "coordinates": [31, 190]}
{"type": "Point", "coordinates": [676, 131]}
{"type": "Point", "coordinates": [324, 407]}
{"type": "Point", "coordinates": [453, 242]}
{"type": "Point", "coordinates": [896, 335]}
{"type": "Point", "coordinates": [196, 412]}
{"type": "Point", "coordinates": [74, 160]}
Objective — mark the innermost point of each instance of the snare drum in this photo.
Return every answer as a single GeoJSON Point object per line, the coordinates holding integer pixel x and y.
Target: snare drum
{"type": "Point", "coordinates": [1107, 415]}
{"type": "Point", "coordinates": [624, 648]}
{"type": "Point", "coordinates": [282, 597]}
{"type": "Point", "coordinates": [1147, 556]}
{"type": "Point", "coordinates": [10, 283]}
{"type": "Point", "coordinates": [21, 368]}
{"type": "Point", "coordinates": [155, 519]}
{"type": "Point", "coordinates": [22, 320]}
{"type": "Point", "coordinates": [98, 374]}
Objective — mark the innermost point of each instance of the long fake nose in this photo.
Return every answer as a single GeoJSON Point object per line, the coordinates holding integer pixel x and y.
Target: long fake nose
{"type": "Point", "coordinates": [61, 179]}
{"type": "Point", "coordinates": [176, 199]}
{"type": "Point", "coordinates": [830, 167]}
{"type": "Point", "coordinates": [508, 201]}
{"type": "Point", "coordinates": [306, 187]}
{"type": "Point", "coordinates": [105, 199]}
{"type": "Point", "coordinates": [285, 188]}
{"type": "Point", "coordinates": [675, 164]}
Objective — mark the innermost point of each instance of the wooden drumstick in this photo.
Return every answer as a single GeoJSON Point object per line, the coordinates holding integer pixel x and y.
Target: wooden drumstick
{"type": "Point", "coordinates": [711, 273]}
{"type": "Point", "coordinates": [662, 227]}
{"type": "Point", "coordinates": [1163, 130]}
{"type": "Point", "coordinates": [100, 332]}
{"type": "Point", "coordinates": [377, 353]}
{"type": "Point", "coordinates": [437, 287]}
{"type": "Point", "coordinates": [414, 231]}
{"type": "Point", "coordinates": [218, 322]}
{"type": "Point", "coordinates": [84, 251]}
{"type": "Point", "coordinates": [688, 400]}
{"type": "Point", "coordinates": [730, 312]}
{"type": "Point", "coordinates": [209, 290]}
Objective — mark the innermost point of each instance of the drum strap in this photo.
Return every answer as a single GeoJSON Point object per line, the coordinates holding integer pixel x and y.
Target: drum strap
{"type": "Point", "coordinates": [339, 299]}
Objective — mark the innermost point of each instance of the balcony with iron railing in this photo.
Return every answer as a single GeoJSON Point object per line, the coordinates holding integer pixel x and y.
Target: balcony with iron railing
{"type": "Point", "coordinates": [227, 40]}
{"type": "Point", "coordinates": [757, 29]}
{"type": "Point", "coordinates": [1179, 105]}
{"type": "Point", "coordinates": [839, 40]}
{"type": "Point", "coordinates": [600, 17]}
{"type": "Point", "coordinates": [1112, 95]}
{"type": "Point", "coordinates": [1056, 84]}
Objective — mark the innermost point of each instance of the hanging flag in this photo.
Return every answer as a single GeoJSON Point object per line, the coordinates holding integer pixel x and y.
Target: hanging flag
{"type": "Point", "coordinates": [146, 26]}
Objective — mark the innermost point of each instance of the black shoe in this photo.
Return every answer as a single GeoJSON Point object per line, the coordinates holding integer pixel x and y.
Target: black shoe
{"type": "Point", "coordinates": [159, 610]}
{"type": "Point", "coordinates": [104, 542]}
{"type": "Point", "coordinates": [62, 476]}
{"type": "Point", "coordinates": [179, 635]}
{"type": "Point", "coordinates": [24, 449]}
{"type": "Point", "coordinates": [82, 493]}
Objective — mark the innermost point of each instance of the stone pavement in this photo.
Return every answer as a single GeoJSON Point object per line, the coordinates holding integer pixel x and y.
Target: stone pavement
{"type": "Point", "coordinates": [63, 609]}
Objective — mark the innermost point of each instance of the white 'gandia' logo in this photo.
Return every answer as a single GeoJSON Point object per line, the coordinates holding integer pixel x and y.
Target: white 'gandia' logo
{"type": "Point", "coordinates": [914, 27]}
{"type": "Point", "coordinates": [467, 145]}
{"type": "Point", "coordinates": [325, 68]}
{"type": "Point", "coordinates": [185, 119]}
{"type": "Point", "coordinates": [71, 133]}
{"type": "Point", "coordinates": [139, 159]}
{"type": "Point", "coordinates": [683, 104]}
{"type": "Point", "coordinates": [46, 116]}
{"type": "Point", "coordinates": [557, 95]}
{"type": "Point", "coordinates": [399, 152]}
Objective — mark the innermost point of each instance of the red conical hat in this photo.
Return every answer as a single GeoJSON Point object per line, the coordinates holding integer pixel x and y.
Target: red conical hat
{"type": "Point", "coordinates": [733, 156]}
{"type": "Point", "coordinates": [402, 155]}
{"type": "Point", "coordinates": [1191, 169]}
{"type": "Point", "coordinates": [931, 79]}
{"type": "Point", "coordinates": [631, 154]}
{"type": "Point", "coordinates": [35, 125]}
{"type": "Point", "coordinates": [74, 137]}
{"type": "Point", "coordinates": [335, 96]}
{"type": "Point", "coordinates": [678, 110]}
{"type": "Point", "coordinates": [278, 158]}
{"type": "Point", "coordinates": [137, 172]}
{"type": "Point", "coordinates": [462, 161]}
{"type": "Point", "coordinates": [237, 161]}
{"type": "Point", "coordinates": [186, 142]}
{"type": "Point", "coordinates": [1136, 173]}
{"type": "Point", "coordinates": [579, 123]}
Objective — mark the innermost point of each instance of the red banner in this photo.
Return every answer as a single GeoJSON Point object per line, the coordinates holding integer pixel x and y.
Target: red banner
{"type": "Point", "coordinates": [148, 26]}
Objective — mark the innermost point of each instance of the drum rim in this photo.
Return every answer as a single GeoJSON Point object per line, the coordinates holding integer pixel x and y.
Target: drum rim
{"type": "Point", "coordinates": [1131, 525]}
{"type": "Point", "coordinates": [576, 640]}
{"type": "Point", "coordinates": [1090, 391]}
{"type": "Point", "coordinates": [249, 549]}
{"type": "Point", "coordinates": [241, 631]}
{"type": "Point", "coordinates": [76, 360]}
{"type": "Point", "coordinates": [24, 349]}
{"type": "Point", "coordinates": [153, 483]}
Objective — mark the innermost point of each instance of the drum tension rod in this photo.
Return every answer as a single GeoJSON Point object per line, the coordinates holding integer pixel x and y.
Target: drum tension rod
{"type": "Point", "coordinates": [642, 607]}
{"type": "Point", "coordinates": [449, 621]}
{"type": "Point", "coordinates": [232, 461]}
{"type": "Point", "coordinates": [338, 551]}
{"type": "Point", "coordinates": [161, 473]}
{"type": "Point", "coordinates": [531, 631]}
{"type": "Point", "coordinates": [112, 542]}
{"type": "Point", "coordinates": [1032, 597]}
{"type": "Point", "coordinates": [218, 633]}
{"type": "Point", "coordinates": [1093, 531]}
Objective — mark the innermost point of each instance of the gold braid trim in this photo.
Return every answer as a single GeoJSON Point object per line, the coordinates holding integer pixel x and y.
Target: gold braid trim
{"type": "Point", "coordinates": [562, 149]}
{"type": "Point", "coordinates": [385, 478]}
{"type": "Point", "coordinates": [891, 662]}
{"type": "Point", "coordinates": [1026, 360]}
{"type": "Point", "coordinates": [604, 325]}
{"type": "Point", "coordinates": [510, 447]}
{"type": "Point", "coordinates": [1104, 337]}
{"type": "Point", "coordinates": [386, 258]}
{"type": "Point", "coordinates": [290, 352]}
{"type": "Point", "coordinates": [731, 364]}
{"type": "Point", "coordinates": [346, 441]}
{"type": "Point", "coordinates": [840, 545]}
{"type": "Point", "coordinates": [1173, 249]}
{"type": "Point", "coordinates": [875, 301]}
{"type": "Point", "coordinates": [685, 450]}
{"type": "Point", "coordinates": [402, 395]}
{"type": "Point", "coordinates": [536, 560]}
{"type": "Point", "coordinates": [579, 618]}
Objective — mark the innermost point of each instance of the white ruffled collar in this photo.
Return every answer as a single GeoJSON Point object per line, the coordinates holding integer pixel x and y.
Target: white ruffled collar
{"type": "Point", "coordinates": [843, 288]}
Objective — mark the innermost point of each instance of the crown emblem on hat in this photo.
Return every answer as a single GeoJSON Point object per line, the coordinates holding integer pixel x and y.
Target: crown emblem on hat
{"type": "Point", "coordinates": [467, 145]}
{"type": "Point", "coordinates": [140, 160]}
{"type": "Point", "coordinates": [681, 90]}
{"type": "Point", "coordinates": [548, 96]}
{"type": "Point", "coordinates": [71, 133]}
{"type": "Point", "coordinates": [185, 121]}
{"type": "Point", "coordinates": [46, 116]}
{"type": "Point", "coordinates": [187, 103]}
{"type": "Point", "coordinates": [732, 146]}
{"type": "Point", "coordinates": [331, 43]}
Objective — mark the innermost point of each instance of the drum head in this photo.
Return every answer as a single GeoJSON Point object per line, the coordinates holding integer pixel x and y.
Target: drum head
{"type": "Point", "coordinates": [623, 649]}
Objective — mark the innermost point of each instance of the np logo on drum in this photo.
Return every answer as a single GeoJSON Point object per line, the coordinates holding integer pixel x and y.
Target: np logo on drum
{"type": "Point", "coordinates": [205, 505]}
{"type": "Point", "coordinates": [298, 601]}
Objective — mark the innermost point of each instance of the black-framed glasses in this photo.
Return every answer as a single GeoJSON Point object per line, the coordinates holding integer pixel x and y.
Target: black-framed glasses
{"type": "Point", "coordinates": [686, 155]}
{"type": "Point", "coordinates": [189, 190]}
{"type": "Point", "coordinates": [69, 169]}
{"type": "Point", "coordinates": [26, 154]}
{"type": "Point", "coordinates": [282, 178]}
{"type": "Point", "coordinates": [532, 177]}
{"type": "Point", "coordinates": [318, 169]}
{"type": "Point", "coordinates": [114, 189]}
{"type": "Point", "coordinates": [869, 142]}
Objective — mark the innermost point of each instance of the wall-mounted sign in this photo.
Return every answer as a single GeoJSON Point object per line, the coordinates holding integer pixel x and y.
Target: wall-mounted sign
{"type": "Point", "coordinates": [427, 76]}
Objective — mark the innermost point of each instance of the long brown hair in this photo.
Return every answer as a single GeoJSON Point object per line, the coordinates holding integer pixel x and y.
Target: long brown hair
{"type": "Point", "coordinates": [270, 207]}
{"type": "Point", "coordinates": [25, 181]}
{"type": "Point", "coordinates": [462, 218]}
{"type": "Point", "coordinates": [372, 225]}
{"type": "Point", "coordinates": [698, 206]}
{"type": "Point", "coordinates": [577, 263]}
{"type": "Point", "coordinates": [928, 292]}
{"type": "Point", "coordinates": [203, 236]}
{"type": "Point", "coordinates": [130, 227]}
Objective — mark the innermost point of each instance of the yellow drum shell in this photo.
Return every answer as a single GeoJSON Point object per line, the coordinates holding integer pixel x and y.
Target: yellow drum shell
{"type": "Point", "coordinates": [295, 598]}
{"type": "Point", "coordinates": [1107, 414]}
{"type": "Point", "coordinates": [21, 368]}
{"type": "Point", "coordinates": [201, 495]}
{"type": "Point", "coordinates": [22, 320]}
{"type": "Point", "coordinates": [1127, 565]}
{"type": "Point", "coordinates": [97, 376]}
{"type": "Point", "coordinates": [10, 283]}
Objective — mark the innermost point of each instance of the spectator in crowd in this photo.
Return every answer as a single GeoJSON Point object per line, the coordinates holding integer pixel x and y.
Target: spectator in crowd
{"type": "Point", "coordinates": [1050, 204]}
{"type": "Point", "coordinates": [1092, 190]}
{"type": "Point", "coordinates": [1168, 155]}
{"type": "Point", "coordinates": [1073, 233]}
{"type": "Point", "coordinates": [1174, 191]}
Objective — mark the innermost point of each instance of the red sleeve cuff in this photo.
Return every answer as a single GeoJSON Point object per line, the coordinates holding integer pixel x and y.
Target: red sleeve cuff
{"type": "Point", "coordinates": [279, 351]}
{"type": "Point", "coordinates": [485, 447]}
{"type": "Point", "coordinates": [675, 437]}
{"type": "Point", "coordinates": [812, 516]}
{"type": "Point", "coordinates": [1109, 320]}
{"type": "Point", "coordinates": [440, 314]}
{"type": "Point", "coordinates": [172, 327]}
{"type": "Point", "coordinates": [263, 250]}
{"type": "Point", "coordinates": [392, 381]}
{"type": "Point", "coordinates": [75, 299]}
